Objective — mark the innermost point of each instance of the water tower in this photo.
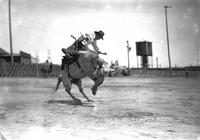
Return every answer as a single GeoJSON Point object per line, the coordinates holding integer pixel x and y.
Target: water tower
{"type": "Point", "coordinates": [144, 50]}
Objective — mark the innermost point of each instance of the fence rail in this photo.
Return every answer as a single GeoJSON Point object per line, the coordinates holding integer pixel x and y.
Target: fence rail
{"type": "Point", "coordinates": [180, 72]}
{"type": "Point", "coordinates": [27, 70]}
{"type": "Point", "coordinates": [40, 70]}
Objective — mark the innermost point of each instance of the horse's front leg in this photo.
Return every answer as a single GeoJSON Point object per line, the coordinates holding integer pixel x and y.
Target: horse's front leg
{"type": "Point", "coordinates": [78, 82]}
{"type": "Point", "coordinates": [98, 80]}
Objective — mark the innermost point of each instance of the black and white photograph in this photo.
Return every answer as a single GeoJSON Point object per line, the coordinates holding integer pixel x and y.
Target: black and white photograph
{"type": "Point", "coordinates": [100, 69]}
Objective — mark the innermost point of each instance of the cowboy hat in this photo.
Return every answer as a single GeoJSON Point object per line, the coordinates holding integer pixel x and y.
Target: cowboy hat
{"type": "Point", "coordinates": [99, 33]}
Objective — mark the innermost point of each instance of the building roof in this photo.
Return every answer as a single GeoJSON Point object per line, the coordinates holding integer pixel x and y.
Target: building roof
{"type": "Point", "coordinates": [3, 52]}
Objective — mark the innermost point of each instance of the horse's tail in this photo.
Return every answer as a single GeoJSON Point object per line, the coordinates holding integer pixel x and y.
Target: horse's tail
{"type": "Point", "coordinates": [58, 82]}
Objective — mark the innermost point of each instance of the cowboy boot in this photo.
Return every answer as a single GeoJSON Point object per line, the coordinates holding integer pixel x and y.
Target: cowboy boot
{"type": "Point", "coordinates": [65, 60]}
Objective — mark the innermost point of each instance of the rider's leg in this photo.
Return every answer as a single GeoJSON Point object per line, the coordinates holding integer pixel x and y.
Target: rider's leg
{"type": "Point", "coordinates": [70, 57]}
{"type": "Point", "coordinates": [75, 59]}
{"type": "Point", "coordinates": [63, 64]}
{"type": "Point", "coordinates": [66, 59]}
{"type": "Point", "coordinates": [65, 51]}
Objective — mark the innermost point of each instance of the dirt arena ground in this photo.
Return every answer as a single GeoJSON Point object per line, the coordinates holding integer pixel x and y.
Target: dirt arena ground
{"type": "Point", "coordinates": [124, 108]}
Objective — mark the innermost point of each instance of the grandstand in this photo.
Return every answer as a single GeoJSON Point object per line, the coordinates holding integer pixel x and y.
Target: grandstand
{"type": "Point", "coordinates": [23, 66]}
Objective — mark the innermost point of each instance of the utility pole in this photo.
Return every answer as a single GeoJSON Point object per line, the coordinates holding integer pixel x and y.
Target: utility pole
{"type": "Point", "coordinates": [10, 30]}
{"type": "Point", "coordinates": [170, 69]}
{"type": "Point", "coordinates": [128, 50]}
{"type": "Point", "coordinates": [198, 49]}
{"type": "Point", "coordinates": [151, 61]}
{"type": "Point", "coordinates": [49, 56]}
{"type": "Point", "coordinates": [157, 62]}
{"type": "Point", "coordinates": [37, 61]}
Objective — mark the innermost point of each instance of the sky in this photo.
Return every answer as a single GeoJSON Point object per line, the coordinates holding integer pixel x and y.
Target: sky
{"type": "Point", "coordinates": [42, 26]}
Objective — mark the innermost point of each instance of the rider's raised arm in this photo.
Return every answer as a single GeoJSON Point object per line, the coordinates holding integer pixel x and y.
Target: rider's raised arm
{"type": "Point", "coordinates": [94, 45]}
{"type": "Point", "coordinates": [73, 37]}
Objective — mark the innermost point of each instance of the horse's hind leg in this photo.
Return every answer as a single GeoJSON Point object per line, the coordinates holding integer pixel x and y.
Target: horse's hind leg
{"type": "Point", "coordinates": [68, 84]}
{"type": "Point", "coordinates": [78, 82]}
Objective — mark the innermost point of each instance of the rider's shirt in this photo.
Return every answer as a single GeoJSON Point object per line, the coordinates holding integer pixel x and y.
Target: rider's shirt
{"type": "Point", "coordinates": [89, 40]}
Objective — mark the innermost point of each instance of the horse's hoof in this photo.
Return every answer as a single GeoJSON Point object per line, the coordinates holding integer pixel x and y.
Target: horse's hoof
{"type": "Point", "coordinates": [94, 91]}
{"type": "Point", "coordinates": [90, 100]}
{"type": "Point", "coordinates": [78, 102]}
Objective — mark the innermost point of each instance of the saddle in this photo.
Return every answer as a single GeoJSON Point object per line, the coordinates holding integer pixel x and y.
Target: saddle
{"type": "Point", "coordinates": [67, 60]}
{"type": "Point", "coordinates": [71, 54]}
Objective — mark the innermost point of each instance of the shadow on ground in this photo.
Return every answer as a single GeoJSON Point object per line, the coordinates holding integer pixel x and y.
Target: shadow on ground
{"type": "Point", "coordinates": [70, 102]}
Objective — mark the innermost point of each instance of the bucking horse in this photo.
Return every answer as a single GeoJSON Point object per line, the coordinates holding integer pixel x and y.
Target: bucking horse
{"type": "Point", "coordinates": [85, 65]}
